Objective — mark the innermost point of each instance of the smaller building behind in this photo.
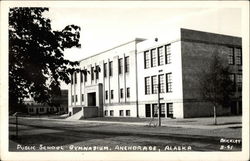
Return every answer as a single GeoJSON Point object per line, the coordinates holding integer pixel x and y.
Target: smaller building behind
{"type": "Point", "coordinates": [60, 105]}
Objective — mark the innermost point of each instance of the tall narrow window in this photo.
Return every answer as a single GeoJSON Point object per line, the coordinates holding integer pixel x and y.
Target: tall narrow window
{"type": "Point", "coordinates": [146, 59]}
{"type": "Point", "coordinates": [163, 111]}
{"type": "Point", "coordinates": [155, 110]}
{"type": "Point", "coordinates": [112, 94]}
{"type": "Point", "coordinates": [110, 68]}
{"type": "Point", "coordinates": [75, 78]}
{"type": "Point", "coordinates": [97, 70]}
{"type": "Point", "coordinates": [72, 81]}
{"type": "Point", "coordinates": [106, 95]}
{"type": "Point", "coordinates": [81, 76]}
{"type": "Point", "coordinates": [153, 58]}
{"type": "Point", "coordinates": [111, 112]}
{"type": "Point", "coordinates": [170, 110]}
{"type": "Point", "coordinates": [72, 98]}
{"type": "Point", "coordinates": [154, 84]}
{"type": "Point", "coordinates": [169, 82]}
{"type": "Point", "coordinates": [239, 82]}
{"type": "Point", "coordinates": [105, 69]}
{"type": "Point", "coordinates": [121, 93]}
{"type": "Point", "coordinates": [121, 113]}
{"type": "Point", "coordinates": [160, 56]}
{"type": "Point", "coordinates": [161, 81]}
{"type": "Point", "coordinates": [147, 85]}
{"type": "Point", "coordinates": [127, 112]}
{"type": "Point", "coordinates": [126, 64]}
{"type": "Point", "coordinates": [85, 77]}
{"type": "Point", "coordinates": [238, 54]}
{"type": "Point", "coordinates": [120, 66]}
{"type": "Point", "coordinates": [106, 113]}
{"type": "Point", "coordinates": [82, 97]}
{"type": "Point", "coordinates": [232, 78]}
{"type": "Point", "coordinates": [76, 99]}
{"type": "Point", "coordinates": [92, 73]}
{"type": "Point", "coordinates": [231, 56]}
{"type": "Point", "coordinates": [128, 92]}
{"type": "Point", "coordinates": [168, 54]}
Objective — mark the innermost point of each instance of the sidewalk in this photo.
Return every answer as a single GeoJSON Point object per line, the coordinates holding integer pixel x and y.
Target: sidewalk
{"type": "Point", "coordinates": [196, 123]}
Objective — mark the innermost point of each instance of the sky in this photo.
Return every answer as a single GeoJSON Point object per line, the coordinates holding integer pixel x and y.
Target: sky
{"type": "Point", "coordinates": [104, 28]}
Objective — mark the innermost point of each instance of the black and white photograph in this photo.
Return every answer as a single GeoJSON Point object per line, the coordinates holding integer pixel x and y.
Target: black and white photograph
{"type": "Point", "coordinates": [125, 80]}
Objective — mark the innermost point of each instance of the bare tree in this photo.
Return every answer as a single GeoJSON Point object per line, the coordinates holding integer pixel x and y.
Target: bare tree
{"type": "Point", "coordinates": [216, 85]}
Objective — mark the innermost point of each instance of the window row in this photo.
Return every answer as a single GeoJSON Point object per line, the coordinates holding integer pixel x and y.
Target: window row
{"type": "Point", "coordinates": [120, 65]}
{"type": "Point", "coordinates": [237, 81]}
{"type": "Point", "coordinates": [121, 113]}
{"type": "Point", "coordinates": [157, 56]}
{"type": "Point", "coordinates": [121, 93]}
{"type": "Point", "coordinates": [151, 110]}
{"type": "Point", "coordinates": [94, 71]}
{"type": "Point", "coordinates": [235, 56]}
{"type": "Point", "coordinates": [41, 109]}
{"type": "Point", "coordinates": [75, 99]}
{"type": "Point", "coordinates": [162, 84]}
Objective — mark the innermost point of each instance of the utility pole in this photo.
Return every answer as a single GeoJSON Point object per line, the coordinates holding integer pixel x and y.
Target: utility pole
{"type": "Point", "coordinates": [159, 107]}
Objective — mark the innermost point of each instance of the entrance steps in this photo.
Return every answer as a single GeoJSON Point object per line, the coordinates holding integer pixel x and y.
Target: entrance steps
{"type": "Point", "coordinates": [76, 116]}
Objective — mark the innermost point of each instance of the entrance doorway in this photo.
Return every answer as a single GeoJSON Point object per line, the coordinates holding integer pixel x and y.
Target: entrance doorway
{"type": "Point", "coordinates": [92, 99]}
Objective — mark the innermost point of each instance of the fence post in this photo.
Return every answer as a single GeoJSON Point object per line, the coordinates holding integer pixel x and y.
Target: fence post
{"type": "Point", "coordinates": [16, 126]}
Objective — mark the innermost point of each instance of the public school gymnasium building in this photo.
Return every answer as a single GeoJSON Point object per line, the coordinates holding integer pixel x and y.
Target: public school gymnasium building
{"type": "Point", "coordinates": [123, 81]}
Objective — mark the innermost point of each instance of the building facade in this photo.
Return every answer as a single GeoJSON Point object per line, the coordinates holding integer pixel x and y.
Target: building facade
{"type": "Point", "coordinates": [124, 81]}
{"type": "Point", "coordinates": [60, 105]}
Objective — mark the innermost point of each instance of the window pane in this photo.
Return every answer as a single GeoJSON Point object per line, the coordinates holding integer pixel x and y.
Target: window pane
{"type": "Point", "coordinates": [121, 92]}
{"type": "Point", "coordinates": [161, 80]}
{"type": "Point", "coordinates": [127, 112]}
{"type": "Point", "coordinates": [238, 55]}
{"type": "Point", "coordinates": [153, 57]}
{"type": "Point", "coordinates": [169, 82]}
{"type": "Point", "coordinates": [110, 68]}
{"type": "Point", "coordinates": [92, 73]}
{"type": "Point", "coordinates": [111, 112]}
{"type": "Point", "coordinates": [106, 112]}
{"type": "Point", "coordinates": [154, 84]}
{"type": "Point", "coordinates": [121, 113]}
{"type": "Point", "coordinates": [97, 70]}
{"type": "Point", "coordinates": [105, 69]}
{"type": "Point", "coordinates": [81, 76]}
{"type": "Point", "coordinates": [155, 110]}
{"type": "Point", "coordinates": [147, 85]}
{"type": "Point", "coordinates": [112, 94]}
{"type": "Point", "coordinates": [169, 109]}
{"type": "Point", "coordinates": [128, 92]}
{"type": "Point", "coordinates": [72, 79]}
{"type": "Point", "coordinates": [126, 64]}
{"type": "Point", "coordinates": [168, 54]}
{"type": "Point", "coordinates": [230, 56]}
{"type": "Point", "coordinates": [160, 56]}
{"type": "Point", "coordinates": [162, 105]}
{"type": "Point", "coordinates": [120, 66]}
{"type": "Point", "coordinates": [106, 95]}
{"type": "Point", "coordinates": [146, 59]}
{"type": "Point", "coordinates": [75, 78]}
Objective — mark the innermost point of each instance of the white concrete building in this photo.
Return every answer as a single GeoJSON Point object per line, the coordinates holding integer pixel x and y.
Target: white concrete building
{"type": "Point", "coordinates": [123, 81]}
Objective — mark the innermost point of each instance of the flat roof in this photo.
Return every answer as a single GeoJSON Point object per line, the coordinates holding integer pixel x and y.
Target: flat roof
{"type": "Point", "coordinates": [136, 39]}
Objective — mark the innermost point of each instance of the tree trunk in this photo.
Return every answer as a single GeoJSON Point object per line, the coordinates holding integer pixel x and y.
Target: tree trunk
{"type": "Point", "coordinates": [215, 117]}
